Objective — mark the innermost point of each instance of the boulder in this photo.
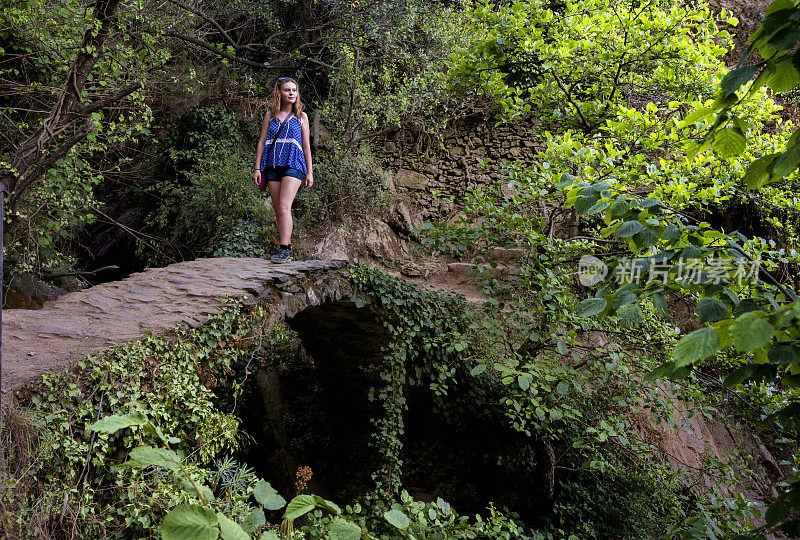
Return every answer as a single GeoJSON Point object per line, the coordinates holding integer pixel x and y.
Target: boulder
{"type": "Point", "coordinates": [333, 247]}
{"type": "Point", "coordinates": [409, 179]}
{"type": "Point", "coordinates": [400, 218]}
{"type": "Point", "coordinates": [381, 242]}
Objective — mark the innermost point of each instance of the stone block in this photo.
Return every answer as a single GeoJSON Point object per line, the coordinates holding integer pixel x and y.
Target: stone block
{"type": "Point", "coordinates": [406, 178]}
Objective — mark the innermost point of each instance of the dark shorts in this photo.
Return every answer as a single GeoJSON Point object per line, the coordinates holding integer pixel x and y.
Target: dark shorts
{"type": "Point", "coordinates": [276, 174]}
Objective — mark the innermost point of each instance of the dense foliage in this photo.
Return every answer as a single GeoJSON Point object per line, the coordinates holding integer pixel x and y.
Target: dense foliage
{"type": "Point", "coordinates": [552, 400]}
{"type": "Point", "coordinates": [136, 439]}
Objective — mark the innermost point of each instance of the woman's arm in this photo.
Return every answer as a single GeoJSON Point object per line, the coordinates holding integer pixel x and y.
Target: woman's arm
{"type": "Point", "coordinates": [260, 149]}
{"type": "Point", "coordinates": [306, 132]}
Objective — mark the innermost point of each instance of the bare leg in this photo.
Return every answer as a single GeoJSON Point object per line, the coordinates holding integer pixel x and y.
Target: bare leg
{"type": "Point", "coordinates": [283, 194]}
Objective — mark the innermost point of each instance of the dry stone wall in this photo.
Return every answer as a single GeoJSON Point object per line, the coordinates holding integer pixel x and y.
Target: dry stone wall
{"type": "Point", "coordinates": [473, 152]}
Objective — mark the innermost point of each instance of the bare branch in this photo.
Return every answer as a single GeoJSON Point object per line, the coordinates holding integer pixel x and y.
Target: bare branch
{"type": "Point", "coordinates": [211, 48]}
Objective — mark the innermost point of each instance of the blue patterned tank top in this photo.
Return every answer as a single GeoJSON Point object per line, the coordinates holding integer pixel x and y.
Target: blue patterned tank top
{"type": "Point", "coordinates": [288, 150]}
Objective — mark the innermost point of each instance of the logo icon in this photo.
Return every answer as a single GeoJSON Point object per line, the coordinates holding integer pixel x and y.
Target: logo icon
{"type": "Point", "coordinates": [591, 270]}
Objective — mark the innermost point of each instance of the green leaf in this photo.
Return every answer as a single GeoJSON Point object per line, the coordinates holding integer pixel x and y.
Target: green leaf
{"type": "Point", "coordinates": [477, 370]}
{"type": "Point", "coordinates": [599, 206]}
{"type": "Point", "coordinates": [729, 142]}
{"type": "Point", "coordinates": [561, 347]}
{"type": "Point", "coordinates": [397, 518]}
{"type": "Point", "coordinates": [757, 175]}
{"type": "Point", "coordinates": [783, 76]}
{"type": "Point", "coordinates": [659, 303]}
{"type": "Point", "coordinates": [115, 422]}
{"type": "Point", "coordinates": [786, 163]}
{"type": "Point", "coordinates": [698, 345]}
{"type": "Point", "coordinates": [750, 332]}
{"type": "Point", "coordinates": [327, 505]}
{"type": "Point", "coordinates": [630, 315]}
{"type": "Point", "coordinates": [736, 78]}
{"type": "Point", "coordinates": [190, 522]}
{"type": "Point", "coordinates": [697, 114]}
{"type": "Point", "coordinates": [267, 496]}
{"type": "Point", "coordinates": [777, 511]}
{"type": "Point", "coordinates": [585, 203]}
{"type": "Point", "coordinates": [145, 456]}
{"type": "Point", "coordinates": [672, 232]}
{"type": "Point", "coordinates": [738, 375]}
{"type": "Point", "coordinates": [783, 355]}
{"type": "Point", "coordinates": [254, 520]}
{"type": "Point", "coordinates": [269, 535]}
{"type": "Point", "coordinates": [711, 309]}
{"type": "Point", "coordinates": [299, 506]}
{"type": "Point", "coordinates": [341, 529]}
{"type": "Point", "coordinates": [591, 306]}
{"type": "Point", "coordinates": [230, 529]}
{"type": "Point", "coordinates": [193, 489]}
{"type": "Point", "coordinates": [629, 228]}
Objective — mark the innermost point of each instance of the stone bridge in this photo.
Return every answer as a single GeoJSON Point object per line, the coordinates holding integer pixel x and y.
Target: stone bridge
{"type": "Point", "coordinates": [186, 293]}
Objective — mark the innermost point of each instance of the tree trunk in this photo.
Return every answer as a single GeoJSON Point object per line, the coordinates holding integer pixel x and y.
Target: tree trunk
{"type": "Point", "coordinates": [39, 152]}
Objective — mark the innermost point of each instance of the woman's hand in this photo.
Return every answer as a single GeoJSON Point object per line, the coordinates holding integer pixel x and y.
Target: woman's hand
{"type": "Point", "coordinates": [309, 180]}
{"type": "Point", "coordinates": [257, 178]}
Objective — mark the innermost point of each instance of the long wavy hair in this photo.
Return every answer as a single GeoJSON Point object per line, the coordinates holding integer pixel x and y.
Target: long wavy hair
{"type": "Point", "coordinates": [274, 101]}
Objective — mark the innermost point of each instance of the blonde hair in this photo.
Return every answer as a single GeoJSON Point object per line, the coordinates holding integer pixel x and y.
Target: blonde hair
{"type": "Point", "coordinates": [274, 101]}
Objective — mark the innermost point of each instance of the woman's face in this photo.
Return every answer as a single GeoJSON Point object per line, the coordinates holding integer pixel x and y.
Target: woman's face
{"type": "Point", "coordinates": [289, 92]}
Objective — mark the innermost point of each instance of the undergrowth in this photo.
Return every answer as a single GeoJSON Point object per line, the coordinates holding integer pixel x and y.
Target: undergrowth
{"type": "Point", "coordinates": [144, 438]}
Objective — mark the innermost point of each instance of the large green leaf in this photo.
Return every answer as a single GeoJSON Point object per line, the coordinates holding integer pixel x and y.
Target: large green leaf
{"type": "Point", "coordinates": [750, 332]}
{"type": "Point", "coordinates": [254, 520]}
{"type": "Point", "coordinates": [758, 174]}
{"type": "Point", "coordinates": [341, 529]}
{"type": "Point", "coordinates": [711, 309]}
{"type": "Point", "coordinates": [783, 355]}
{"type": "Point", "coordinates": [397, 518]}
{"type": "Point", "coordinates": [585, 203]}
{"type": "Point", "coordinates": [736, 78]}
{"type": "Point", "coordinates": [738, 375]}
{"type": "Point", "coordinates": [786, 163]}
{"type": "Point", "coordinates": [269, 535]}
{"type": "Point", "coordinates": [115, 422]}
{"type": "Point", "coordinates": [696, 346]}
{"type": "Point", "coordinates": [659, 302]}
{"type": "Point", "coordinates": [783, 76]}
{"type": "Point", "coordinates": [591, 306]}
{"type": "Point", "coordinates": [230, 529]}
{"type": "Point", "coordinates": [145, 456]}
{"type": "Point", "coordinates": [190, 522]}
{"type": "Point", "coordinates": [729, 142]}
{"type": "Point", "coordinates": [328, 505]}
{"type": "Point", "coordinates": [267, 496]}
{"type": "Point", "coordinates": [300, 506]}
{"type": "Point", "coordinates": [671, 232]}
{"type": "Point", "coordinates": [629, 228]}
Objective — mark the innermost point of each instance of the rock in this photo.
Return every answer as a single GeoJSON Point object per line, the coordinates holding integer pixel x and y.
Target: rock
{"type": "Point", "coordinates": [410, 179]}
{"type": "Point", "coordinates": [333, 247]}
{"type": "Point", "coordinates": [456, 152]}
{"type": "Point", "coordinates": [382, 242]}
{"type": "Point", "coordinates": [400, 218]}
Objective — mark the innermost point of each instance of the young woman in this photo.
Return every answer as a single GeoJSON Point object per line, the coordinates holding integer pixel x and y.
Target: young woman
{"type": "Point", "coordinates": [283, 158]}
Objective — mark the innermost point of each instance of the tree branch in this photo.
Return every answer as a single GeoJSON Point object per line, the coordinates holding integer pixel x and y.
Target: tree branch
{"type": "Point", "coordinates": [211, 48]}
